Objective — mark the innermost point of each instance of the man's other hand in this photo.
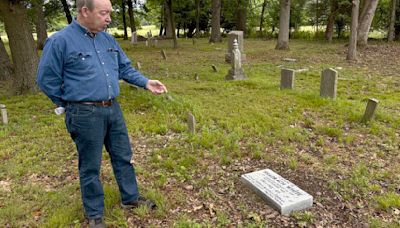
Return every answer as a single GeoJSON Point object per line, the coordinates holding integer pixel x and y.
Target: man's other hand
{"type": "Point", "coordinates": [156, 87]}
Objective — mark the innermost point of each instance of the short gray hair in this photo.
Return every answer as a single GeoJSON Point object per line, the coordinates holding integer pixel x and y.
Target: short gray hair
{"type": "Point", "coordinates": [81, 3]}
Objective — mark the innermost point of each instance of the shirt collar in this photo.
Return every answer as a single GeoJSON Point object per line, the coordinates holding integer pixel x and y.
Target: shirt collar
{"type": "Point", "coordinates": [75, 24]}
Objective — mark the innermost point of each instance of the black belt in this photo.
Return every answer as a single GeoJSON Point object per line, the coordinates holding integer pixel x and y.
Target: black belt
{"type": "Point", "coordinates": [97, 103]}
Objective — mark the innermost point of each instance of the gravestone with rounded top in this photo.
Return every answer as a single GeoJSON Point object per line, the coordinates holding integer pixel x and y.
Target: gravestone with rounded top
{"type": "Point", "coordinates": [4, 116]}
{"type": "Point", "coordinates": [287, 79]}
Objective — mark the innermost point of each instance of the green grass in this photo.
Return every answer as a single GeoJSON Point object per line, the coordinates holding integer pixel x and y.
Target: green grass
{"type": "Point", "coordinates": [247, 124]}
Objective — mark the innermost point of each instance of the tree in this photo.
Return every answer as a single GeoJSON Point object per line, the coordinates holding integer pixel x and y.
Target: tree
{"type": "Point", "coordinates": [22, 45]}
{"type": "Point", "coordinates": [392, 20]}
{"type": "Point", "coordinates": [264, 5]}
{"type": "Point", "coordinates": [197, 18]}
{"type": "Point", "coordinates": [171, 19]}
{"type": "Point", "coordinates": [66, 11]}
{"type": "Point", "coordinates": [40, 23]}
{"type": "Point", "coordinates": [124, 19]}
{"type": "Point", "coordinates": [331, 20]}
{"type": "Point", "coordinates": [131, 16]}
{"type": "Point", "coordinates": [216, 21]}
{"type": "Point", "coordinates": [365, 20]}
{"type": "Point", "coordinates": [352, 52]}
{"type": "Point", "coordinates": [5, 63]}
{"type": "Point", "coordinates": [284, 19]}
{"type": "Point", "coordinates": [241, 15]}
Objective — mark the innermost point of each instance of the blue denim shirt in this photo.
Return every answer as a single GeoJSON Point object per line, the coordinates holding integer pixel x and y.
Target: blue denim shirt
{"type": "Point", "coordinates": [77, 67]}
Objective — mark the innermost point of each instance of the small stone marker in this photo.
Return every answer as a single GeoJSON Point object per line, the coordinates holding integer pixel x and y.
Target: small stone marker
{"type": "Point", "coordinates": [214, 68]}
{"type": "Point", "coordinates": [164, 55]}
{"type": "Point", "coordinates": [147, 43]}
{"type": "Point", "coordinates": [196, 77]}
{"type": "Point", "coordinates": [236, 72]}
{"type": "Point", "coordinates": [238, 36]}
{"type": "Point", "coordinates": [194, 41]}
{"type": "Point", "coordinates": [280, 193]}
{"type": "Point", "coordinates": [138, 66]}
{"type": "Point", "coordinates": [191, 123]}
{"type": "Point", "coordinates": [155, 42]}
{"type": "Point", "coordinates": [329, 79]}
{"type": "Point", "coordinates": [4, 114]}
{"type": "Point", "coordinates": [134, 38]}
{"type": "Point", "coordinates": [287, 79]}
{"type": "Point", "coordinates": [289, 60]}
{"type": "Point", "coordinates": [372, 104]}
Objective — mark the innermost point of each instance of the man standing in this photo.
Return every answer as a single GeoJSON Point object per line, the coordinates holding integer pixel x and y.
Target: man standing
{"type": "Point", "coordinates": [79, 70]}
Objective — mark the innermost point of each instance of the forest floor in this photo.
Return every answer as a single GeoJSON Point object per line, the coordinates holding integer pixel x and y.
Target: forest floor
{"type": "Point", "coordinates": [350, 168]}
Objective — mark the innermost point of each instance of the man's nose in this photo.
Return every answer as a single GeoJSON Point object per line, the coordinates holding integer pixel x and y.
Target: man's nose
{"type": "Point", "coordinates": [108, 19]}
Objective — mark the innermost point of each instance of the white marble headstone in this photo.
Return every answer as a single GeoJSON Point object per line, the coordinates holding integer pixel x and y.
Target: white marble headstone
{"type": "Point", "coordinates": [278, 192]}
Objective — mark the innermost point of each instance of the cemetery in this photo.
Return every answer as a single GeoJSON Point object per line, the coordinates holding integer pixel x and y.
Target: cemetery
{"type": "Point", "coordinates": [247, 135]}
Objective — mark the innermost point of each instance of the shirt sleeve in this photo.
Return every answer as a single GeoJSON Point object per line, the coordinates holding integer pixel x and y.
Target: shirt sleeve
{"type": "Point", "coordinates": [49, 75]}
{"type": "Point", "coordinates": [127, 72]}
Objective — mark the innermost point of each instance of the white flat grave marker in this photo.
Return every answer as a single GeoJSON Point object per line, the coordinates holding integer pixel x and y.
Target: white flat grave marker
{"type": "Point", "coordinates": [280, 193]}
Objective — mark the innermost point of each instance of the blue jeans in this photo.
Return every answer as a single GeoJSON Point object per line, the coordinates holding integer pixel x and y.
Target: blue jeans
{"type": "Point", "coordinates": [91, 127]}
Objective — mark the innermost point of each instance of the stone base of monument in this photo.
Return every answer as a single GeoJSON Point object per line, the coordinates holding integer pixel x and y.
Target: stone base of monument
{"type": "Point", "coordinates": [228, 57]}
{"type": "Point", "coordinates": [279, 193]}
{"type": "Point", "coordinates": [236, 75]}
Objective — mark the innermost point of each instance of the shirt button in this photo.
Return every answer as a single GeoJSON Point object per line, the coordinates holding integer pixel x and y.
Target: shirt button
{"type": "Point", "coordinates": [102, 63]}
{"type": "Point", "coordinates": [109, 86]}
{"type": "Point", "coordinates": [107, 75]}
{"type": "Point", "coordinates": [98, 51]}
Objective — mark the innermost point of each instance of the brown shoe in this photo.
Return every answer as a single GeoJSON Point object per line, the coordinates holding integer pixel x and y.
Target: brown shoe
{"type": "Point", "coordinates": [139, 202]}
{"type": "Point", "coordinates": [97, 223]}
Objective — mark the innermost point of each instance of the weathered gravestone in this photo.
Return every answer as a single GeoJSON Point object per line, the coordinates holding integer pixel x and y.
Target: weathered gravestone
{"type": "Point", "coordinates": [370, 110]}
{"type": "Point", "coordinates": [191, 123]}
{"type": "Point", "coordinates": [238, 36]}
{"type": "Point", "coordinates": [236, 72]}
{"type": "Point", "coordinates": [329, 79]}
{"type": "Point", "coordinates": [134, 38]}
{"type": "Point", "coordinates": [287, 79]}
{"type": "Point", "coordinates": [4, 116]}
{"type": "Point", "coordinates": [163, 54]}
{"type": "Point", "coordinates": [147, 43]}
{"type": "Point", "coordinates": [280, 193]}
{"type": "Point", "coordinates": [215, 69]}
{"type": "Point", "coordinates": [138, 66]}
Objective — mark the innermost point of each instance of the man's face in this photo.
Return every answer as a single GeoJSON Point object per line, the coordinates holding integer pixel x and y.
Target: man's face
{"type": "Point", "coordinates": [99, 18]}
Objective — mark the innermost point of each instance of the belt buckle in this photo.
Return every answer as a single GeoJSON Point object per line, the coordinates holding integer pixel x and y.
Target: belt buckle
{"type": "Point", "coordinates": [104, 103]}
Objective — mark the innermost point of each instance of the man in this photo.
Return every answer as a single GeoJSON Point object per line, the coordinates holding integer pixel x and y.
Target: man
{"type": "Point", "coordinates": [79, 70]}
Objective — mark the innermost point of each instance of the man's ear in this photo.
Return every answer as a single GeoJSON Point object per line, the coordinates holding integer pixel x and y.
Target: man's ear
{"type": "Point", "coordinates": [84, 11]}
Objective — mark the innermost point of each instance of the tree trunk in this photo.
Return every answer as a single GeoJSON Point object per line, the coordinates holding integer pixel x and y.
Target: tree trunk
{"type": "Point", "coordinates": [284, 19]}
{"type": "Point", "coordinates": [40, 24]}
{"type": "Point", "coordinates": [167, 22]}
{"type": "Point", "coordinates": [197, 18]}
{"type": "Point", "coordinates": [264, 5]}
{"type": "Point", "coordinates": [131, 16]}
{"type": "Point", "coordinates": [331, 20]}
{"type": "Point", "coordinates": [124, 19]}
{"type": "Point", "coordinates": [392, 21]}
{"type": "Point", "coordinates": [171, 19]}
{"type": "Point", "coordinates": [216, 22]}
{"type": "Point", "coordinates": [241, 16]}
{"type": "Point", "coordinates": [368, 13]}
{"type": "Point", "coordinates": [397, 22]}
{"type": "Point", "coordinates": [66, 11]}
{"type": "Point", "coordinates": [5, 63]}
{"type": "Point", "coordinates": [22, 45]}
{"type": "Point", "coordinates": [352, 52]}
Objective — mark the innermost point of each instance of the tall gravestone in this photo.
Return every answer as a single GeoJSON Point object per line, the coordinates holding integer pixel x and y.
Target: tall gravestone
{"type": "Point", "coordinates": [235, 35]}
{"type": "Point", "coordinates": [329, 79]}
{"type": "Point", "coordinates": [287, 79]}
{"type": "Point", "coordinates": [191, 123]}
{"type": "Point", "coordinates": [134, 38]}
{"type": "Point", "coordinates": [236, 72]}
{"type": "Point", "coordinates": [279, 193]}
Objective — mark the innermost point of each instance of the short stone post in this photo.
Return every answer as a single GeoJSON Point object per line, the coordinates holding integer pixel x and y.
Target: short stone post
{"type": "Point", "coordinates": [4, 114]}
{"type": "Point", "coordinates": [287, 79]}
{"type": "Point", "coordinates": [372, 104]}
{"type": "Point", "coordinates": [147, 43]}
{"type": "Point", "coordinates": [329, 79]}
{"type": "Point", "coordinates": [164, 55]}
{"type": "Point", "coordinates": [214, 68]}
{"type": "Point", "coordinates": [236, 72]}
{"type": "Point", "coordinates": [138, 66]}
{"type": "Point", "coordinates": [155, 43]}
{"type": "Point", "coordinates": [191, 123]}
